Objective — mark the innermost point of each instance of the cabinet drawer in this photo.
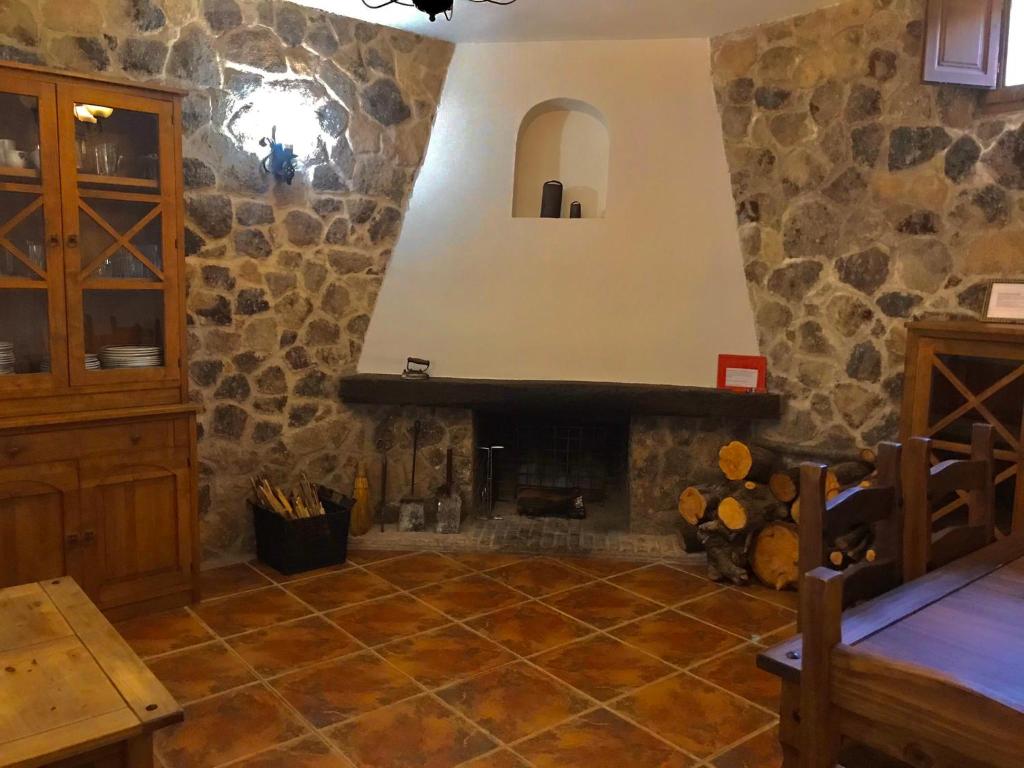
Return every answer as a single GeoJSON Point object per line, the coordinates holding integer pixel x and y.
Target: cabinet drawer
{"type": "Point", "coordinates": [35, 447]}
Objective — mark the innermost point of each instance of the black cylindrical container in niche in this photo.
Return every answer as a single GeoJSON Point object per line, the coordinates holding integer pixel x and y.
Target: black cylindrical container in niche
{"type": "Point", "coordinates": [576, 210]}
{"type": "Point", "coordinates": [551, 202]}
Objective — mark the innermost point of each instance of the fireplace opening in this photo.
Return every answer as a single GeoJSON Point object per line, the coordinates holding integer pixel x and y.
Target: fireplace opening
{"type": "Point", "coordinates": [554, 465]}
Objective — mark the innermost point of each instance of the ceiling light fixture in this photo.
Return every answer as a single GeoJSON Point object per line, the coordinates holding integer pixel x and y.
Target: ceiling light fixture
{"type": "Point", "coordinates": [433, 8]}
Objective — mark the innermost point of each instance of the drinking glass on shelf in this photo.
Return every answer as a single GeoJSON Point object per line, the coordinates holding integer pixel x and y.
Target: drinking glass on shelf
{"type": "Point", "coordinates": [36, 254]}
{"type": "Point", "coordinates": [149, 166]}
{"type": "Point", "coordinates": [7, 149]}
{"type": "Point", "coordinates": [125, 264]}
{"type": "Point", "coordinates": [118, 265]}
{"type": "Point", "coordinates": [86, 160]}
{"type": "Point", "coordinates": [108, 160]}
{"type": "Point", "coordinates": [152, 252]}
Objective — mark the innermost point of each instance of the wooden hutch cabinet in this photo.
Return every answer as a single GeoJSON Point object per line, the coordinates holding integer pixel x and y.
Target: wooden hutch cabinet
{"type": "Point", "coordinates": [97, 436]}
{"type": "Point", "coordinates": [960, 373]}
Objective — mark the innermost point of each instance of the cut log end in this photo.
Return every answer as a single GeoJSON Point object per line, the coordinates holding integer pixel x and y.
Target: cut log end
{"type": "Point", "coordinates": [776, 554]}
{"type": "Point", "coordinates": [692, 505]}
{"type": "Point", "coordinates": [735, 460]}
{"type": "Point", "coordinates": [784, 485]}
{"type": "Point", "coordinates": [733, 514]}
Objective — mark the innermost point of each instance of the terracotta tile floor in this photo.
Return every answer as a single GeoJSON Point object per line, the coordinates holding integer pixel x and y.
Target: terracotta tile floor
{"type": "Point", "coordinates": [424, 660]}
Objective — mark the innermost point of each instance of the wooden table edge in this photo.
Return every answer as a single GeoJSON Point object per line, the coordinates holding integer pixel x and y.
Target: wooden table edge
{"type": "Point", "coordinates": [78, 610]}
{"type": "Point", "coordinates": [865, 620]}
{"type": "Point", "coordinates": [48, 747]}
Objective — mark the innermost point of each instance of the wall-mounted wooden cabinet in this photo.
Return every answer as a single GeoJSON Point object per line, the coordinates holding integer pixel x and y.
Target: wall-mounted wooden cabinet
{"type": "Point", "coordinates": [97, 439]}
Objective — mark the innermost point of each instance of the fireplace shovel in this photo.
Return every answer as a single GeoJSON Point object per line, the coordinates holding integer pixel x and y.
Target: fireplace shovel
{"type": "Point", "coordinates": [449, 501]}
{"type": "Point", "coordinates": [412, 513]}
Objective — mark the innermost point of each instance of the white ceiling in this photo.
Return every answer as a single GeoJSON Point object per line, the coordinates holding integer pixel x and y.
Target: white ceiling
{"type": "Point", "coordinates": [579, 19]}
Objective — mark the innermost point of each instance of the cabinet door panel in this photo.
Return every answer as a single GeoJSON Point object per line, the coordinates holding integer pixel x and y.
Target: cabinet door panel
{"type": "Point", "coordinates": [136, 521]}
{"type": "Point", "coordinates": [963, 41]}
{"type": "Point", "coordinates": [33, 356]}
{"type": "Point", "coordinates": [38, 523]}
{"type": "Point", "coordinates": [121, 207]}
{"type": "Point", "coordinates": [138, 527]}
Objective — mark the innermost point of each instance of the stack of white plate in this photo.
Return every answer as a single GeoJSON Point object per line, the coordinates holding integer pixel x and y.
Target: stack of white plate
{"type": "Point", "coordinates": [6, 358]}
{"type": "Point", "coordinates": [131, 357]}
{"type": "Point", "coordinates": [92, 363]}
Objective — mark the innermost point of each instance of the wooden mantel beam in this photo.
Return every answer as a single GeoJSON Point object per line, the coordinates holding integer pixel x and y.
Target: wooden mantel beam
{"type": "Point", "coordinates": [576, 396]}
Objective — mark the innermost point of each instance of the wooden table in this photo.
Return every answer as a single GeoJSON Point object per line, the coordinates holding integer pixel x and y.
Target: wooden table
{"type": "Point", "coordinates": [72, 693]}
{"type": "Point", "coordinates": [931, 673]}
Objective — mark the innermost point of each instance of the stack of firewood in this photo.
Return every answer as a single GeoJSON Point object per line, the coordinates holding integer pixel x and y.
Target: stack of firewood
{"type": "Point", "coordinates": [749, 522]}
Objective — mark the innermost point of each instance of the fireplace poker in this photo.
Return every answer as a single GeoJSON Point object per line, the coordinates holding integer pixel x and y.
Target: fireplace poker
{"type": "Point", "coordinates": [415, 448]}
{"type": "Point", "coordinates": [383, 488]}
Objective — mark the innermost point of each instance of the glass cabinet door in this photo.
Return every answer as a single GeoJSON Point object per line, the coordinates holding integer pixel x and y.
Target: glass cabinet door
{"type": "Point", "coordinates": [120, 223]}
{"type": "Point", "coordinates": [33, 356]}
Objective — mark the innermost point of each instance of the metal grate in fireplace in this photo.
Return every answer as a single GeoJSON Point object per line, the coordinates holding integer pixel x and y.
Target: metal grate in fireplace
{"type": "Point", "coordinates": [564, 456]}
{"type": "Point", "coordinates": [555, 452]}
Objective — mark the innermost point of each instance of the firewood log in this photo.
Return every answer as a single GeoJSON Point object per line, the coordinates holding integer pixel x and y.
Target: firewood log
{"type": "Point", "coordinates": [695, 504]}
{"type": "Point", "coordinates": [727, 553]}
{"type": "Point", "coordinates": [785, 484]}
{"type": "Point", "coordinates": [868, 456]}
{"type": "Point", "coordinates": [851, 547]}
{"type": "Point", "coordinates": [739, 461]}
{"type": "Point", "coordinates": [832, 485]}
{"type": "Point", "coordinates": [832, 489]}
{"type": "Point", "coordinates": [748, 508]}
{"type": "Point", "coordinates": [869, 481]}
{"type": "Point", "coordinates": [689, 539]}
{"type": "Point", "coordinates": [852, 538]}
{"type": "Point", "coordinates": [698, 502]}
{"type": "Point", "coordinates": [775, 558]}
{"type": "Point", "coordinates": [850, 473]}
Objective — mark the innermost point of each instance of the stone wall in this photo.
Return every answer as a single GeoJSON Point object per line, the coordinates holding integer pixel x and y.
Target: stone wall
{"type": "Point", "coordinates": [864, 199]}
{"type": "Point", "coordinates": [281, 280]}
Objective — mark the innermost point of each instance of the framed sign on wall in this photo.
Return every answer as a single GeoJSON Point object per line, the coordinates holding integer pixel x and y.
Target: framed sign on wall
{"type": "Point", "coordinates": [743, 373]}
{"type": "Point", "coordinates": [1005, 302]}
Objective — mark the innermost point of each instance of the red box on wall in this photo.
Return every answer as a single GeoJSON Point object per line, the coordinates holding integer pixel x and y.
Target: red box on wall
{"type": "Point", "coordinates": [743, 373]}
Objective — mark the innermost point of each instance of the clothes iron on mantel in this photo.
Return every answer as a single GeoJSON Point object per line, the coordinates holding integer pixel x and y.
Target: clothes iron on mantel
{"type": "Point", "coordinates": [416, 368]}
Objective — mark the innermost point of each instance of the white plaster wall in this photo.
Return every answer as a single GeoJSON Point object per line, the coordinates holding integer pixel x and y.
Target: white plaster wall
{"type": "Point", "coordinates": [651, 293]}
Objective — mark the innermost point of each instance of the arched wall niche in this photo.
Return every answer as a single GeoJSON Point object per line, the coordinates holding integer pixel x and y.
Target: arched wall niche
{"type": "Point", "coordinates": [568, 140]}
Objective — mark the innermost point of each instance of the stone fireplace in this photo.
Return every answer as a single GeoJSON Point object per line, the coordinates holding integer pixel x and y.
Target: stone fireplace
{"type": "Point", "coordinates": [630, 447]}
